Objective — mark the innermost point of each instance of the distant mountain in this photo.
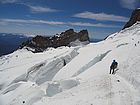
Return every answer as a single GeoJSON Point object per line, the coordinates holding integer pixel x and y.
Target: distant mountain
{"type": "Point", "coordinates": [10, 42]}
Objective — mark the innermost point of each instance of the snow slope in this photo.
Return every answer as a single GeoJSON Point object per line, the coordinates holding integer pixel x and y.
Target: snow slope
{"type": "Point", "coordinates": [75, 76]}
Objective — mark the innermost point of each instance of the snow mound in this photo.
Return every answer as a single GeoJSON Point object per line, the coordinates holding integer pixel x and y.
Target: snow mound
{"type": "Point", "coordinates": [60, 86]}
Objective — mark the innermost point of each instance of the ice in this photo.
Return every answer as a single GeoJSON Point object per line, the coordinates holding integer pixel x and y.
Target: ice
{"type": "Point", "coordinates": [60, 86]}
{"type": "Point", "coordinates": [11, 88]}
{"type": "Point", "coordinates": [47, 70]}
{"type": "Point", "coordinates": [91, 63]}
{"type": "Point", "coordinates": [123, 44]}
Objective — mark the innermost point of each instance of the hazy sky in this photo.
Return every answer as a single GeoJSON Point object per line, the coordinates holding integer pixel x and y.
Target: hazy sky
{"type": "Point", "coordinates": [48, 17]}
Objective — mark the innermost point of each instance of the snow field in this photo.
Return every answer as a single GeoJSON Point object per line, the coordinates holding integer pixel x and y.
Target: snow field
{"type": "Point", "coordinates": [65, 76]}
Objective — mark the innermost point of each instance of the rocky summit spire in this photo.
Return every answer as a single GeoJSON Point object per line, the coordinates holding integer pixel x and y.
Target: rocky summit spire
{"type": "Point", "coordinates": [134, 18]}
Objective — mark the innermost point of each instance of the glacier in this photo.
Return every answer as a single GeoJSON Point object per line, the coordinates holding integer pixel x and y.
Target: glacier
{"type": "Point", "coordinates": [75, 75]}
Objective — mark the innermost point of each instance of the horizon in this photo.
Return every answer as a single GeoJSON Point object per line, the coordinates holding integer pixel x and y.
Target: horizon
{"type": "Point", "coordinates": [44, 17]}
{"type": "Point", "coordinates": [31, 36]}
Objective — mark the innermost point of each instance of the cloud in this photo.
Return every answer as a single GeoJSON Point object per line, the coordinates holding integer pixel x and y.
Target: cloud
{"type": "Point", "coordinates": [23, 21]}
{"type": "Point", "coordinates": [93, 25]}
{"type": "Point", "coordinates": [8, 1]}
{"type": "Point", "coordinates": [101, 16]}
{"type": "Point", "coordinates": [34, 9]}
{"type": "Point", "coordinates": [129, 4]}
{"type": "Point", "coordinates": [31, 21]}
{"type": "Point", "coordinates": [40, 9]}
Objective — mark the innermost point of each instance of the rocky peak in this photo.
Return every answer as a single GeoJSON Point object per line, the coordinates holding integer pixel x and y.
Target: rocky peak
{"type": "Point", "coordinates": [70, 31]}
{"type": "Point", "coordinates": [134, 18]}
{"type": "Point", "coordinates": [40, 43]}
{"type": "Point", "coordinates": [83, 35]}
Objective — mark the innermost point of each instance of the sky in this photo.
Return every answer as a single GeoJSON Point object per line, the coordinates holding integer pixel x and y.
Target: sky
{"type": "Point", "coordinates": [49, 17]}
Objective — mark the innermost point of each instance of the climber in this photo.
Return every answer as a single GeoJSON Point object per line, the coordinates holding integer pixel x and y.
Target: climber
{"type": "Point", "coordinates": [113, 66]}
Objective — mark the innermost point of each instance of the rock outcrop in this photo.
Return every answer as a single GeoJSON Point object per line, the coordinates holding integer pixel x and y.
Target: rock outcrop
{"type": "Point", "coordinates": [40, 43]}
{"type": "Point", "coordinates": [134, 18]}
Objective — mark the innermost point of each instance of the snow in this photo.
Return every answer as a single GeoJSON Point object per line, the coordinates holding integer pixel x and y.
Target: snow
{"type": "Point", "coordinates": [15, 66]}
{"type": "Point", "coordinates": [75, 75]}
{"type": "Point", "coordinates": [60, 86]}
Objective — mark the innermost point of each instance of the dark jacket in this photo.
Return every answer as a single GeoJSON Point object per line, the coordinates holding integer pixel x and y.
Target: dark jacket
{"type": "Point", "coordinates": [114, 65]}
